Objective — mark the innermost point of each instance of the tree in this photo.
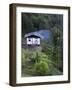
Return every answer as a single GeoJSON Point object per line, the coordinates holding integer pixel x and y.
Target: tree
{"type": "Point", "coordinates": [58, 47]}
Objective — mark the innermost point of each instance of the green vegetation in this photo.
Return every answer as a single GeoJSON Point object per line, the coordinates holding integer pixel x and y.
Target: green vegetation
{"type": "Point", "coordinates": [41, 68]}
{"type": "Point", "coordinates": [32, 22]}
{"type": "Point", "coordinates": [38, 64]}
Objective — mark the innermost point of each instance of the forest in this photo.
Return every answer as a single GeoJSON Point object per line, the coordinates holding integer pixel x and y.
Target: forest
{"type": "Point", "coordinates": [49, 60]}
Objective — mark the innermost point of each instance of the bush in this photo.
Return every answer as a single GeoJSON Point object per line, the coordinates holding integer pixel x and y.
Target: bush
{"type": "Point", "coordinates": [41, 68]}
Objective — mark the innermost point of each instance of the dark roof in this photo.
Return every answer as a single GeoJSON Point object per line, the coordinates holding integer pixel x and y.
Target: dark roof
{"type": "Point", "coordinates": [33, 34]}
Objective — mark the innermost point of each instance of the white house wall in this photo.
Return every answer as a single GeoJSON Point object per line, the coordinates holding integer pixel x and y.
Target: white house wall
{"type": "Point", "coordinates": [34, 41]}
{"type": "Point", "coordinates": [29, 42]}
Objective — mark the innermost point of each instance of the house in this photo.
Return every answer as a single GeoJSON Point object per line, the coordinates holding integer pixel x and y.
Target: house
{"type": "Point", "coordinates": [33, 38]}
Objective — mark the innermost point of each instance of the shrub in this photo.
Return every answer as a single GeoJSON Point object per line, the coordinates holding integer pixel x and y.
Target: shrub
{"type": "Point", "coordinates": [41, 68]}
